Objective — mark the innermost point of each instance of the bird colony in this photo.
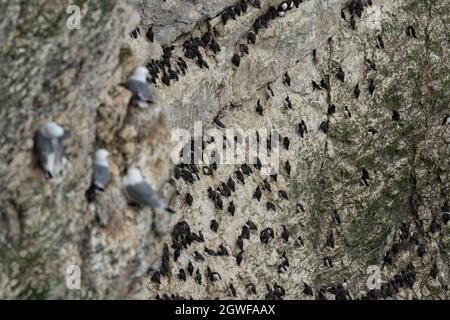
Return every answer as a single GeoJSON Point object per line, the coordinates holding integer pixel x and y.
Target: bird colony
{"type": "Point", "coordinates": [357, 89]}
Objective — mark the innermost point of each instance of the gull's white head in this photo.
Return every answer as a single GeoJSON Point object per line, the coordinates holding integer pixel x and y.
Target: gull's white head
{"type": "Point", "coordinates": [133, 177]}
{"type": "Point", "coordinates": [52, 130]}
{"type": "Point", "coordinates": [101, 157]}
{"type": "Point", "coordinates": [140, 74]}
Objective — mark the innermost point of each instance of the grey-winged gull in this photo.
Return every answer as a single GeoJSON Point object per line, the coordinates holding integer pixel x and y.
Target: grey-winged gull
{"type": "Point", "coordinates": [141, 193]}
{"type": "Point", "coordinates": [49, 148]}
{"type": "Point", "coordinates": [101, 174]}
{"type": "Point", "coordinates": [138, 85]}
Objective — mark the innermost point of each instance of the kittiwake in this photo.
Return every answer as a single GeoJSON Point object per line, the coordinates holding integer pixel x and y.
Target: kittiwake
{"type": "Point", "coordinates": [101, 173]}
{"type": "Point", "coordinates": [49, 148]}
{"type": "Point", "coordinates": [138, 85]}
{"type": "Point", "coordinates": [141, 193]}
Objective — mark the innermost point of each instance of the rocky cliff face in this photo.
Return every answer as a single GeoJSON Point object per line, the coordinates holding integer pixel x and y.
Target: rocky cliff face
{"type": "Point", "coordinates": [396, 134]}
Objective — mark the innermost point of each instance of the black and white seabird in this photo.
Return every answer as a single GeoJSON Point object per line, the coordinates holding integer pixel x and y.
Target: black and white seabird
{"type": "Point", "coordinates": [231, 184]}
{"type": "Point", "coordinates": [324, 84]}
{"type": "Point", "coordinates": [287, 79]}
{"type": "Point", "coordinates": [371, 86]}
{"type": "Point", "coordinates": [324, 126]}
{"type": "Point", "coordinates": [286, 143]}
{"type": "Point", "coordinates": [156, 277]}
{"type": "Point", "coordinates": [372, 131]}
{"type": "Point", "coordinates": [251, 225]}
{"type": "Point", "coordinates": [240, 243]}
{"type": "Point", "coordinates": [182, 275]}
{"type": "Point", "coordinates": [239, 258]}
{"type": "Point", "coordinates": [251, 288]}
{"type": "Point", "coordinates": [285, 234]}
{"type": "Point", "coordinates": [231, 208]}
{"type": "Point", "coordinates": [190, 268]}
{"type": "Point", "coordinates": [330, 240]}
{"type": "Point", "coordinates": [395, 115]}
{"type": "Point", "coordinates": [219, 123]}
{"type": "Point", "coordinates": [353, 22]}
{"type": "Point", "coordinates": [214, 46]}
{"type": "Point", "coordinates": [315, 85]}
{"type": "Point", "coordinates": [371, 64]}
{"type": "Point", "coordinates": [331, 110]}
{"type": "Point", "coordinates": [135, 33]}
{"type": "Point", "coordinates": [240, 176]}
{"type": "Point", "coordinates": [434, 272]}
{"type": "Point", "coordinates": [198, 256]}
{"type": "Point", "coordinates": [302, 129]}
{"type": "Point", "coordinates": [287, 167]}
{"type": "Point", "coordinates": [422, 250]}
{"type": "Point", "coordinates": [236, 60]}
{"type": "Point", "coordinates": [434, 226]}
{"type": "Point", "coordinates": [251, 37]}
{"type": "Point", "coordinates": [245, 233]}
{"type": "Point", "coordinates": [387, 259]}
{"type": "Point", "coordinates": [244, 48]}
{"type": "Point", "coordinates": [150, 34]}
{"type": "Point", "coordinates": [198, 277]}
{"type": "Point", "coordinates": [283, 195]}
{"type": "Point", "coordinates": [212, 275]}
{"type": "Point", "coordinates": [257, 194]}
{"type": "Point", "coordinates": [446, 213]}
{"type": "Point", "coordinates": [266, 234]}
{"type": "Point", "coordinates": [271, 206]}
{"type": "Point", "coordinates": [222, 251]}
{"type": "Point", "coordinates": [259, 108]}
{"type": "Point", "coordinates": [232, 290]}
{"type": "Point", "coordinates": [365, 177]}
{"type": "Point", "coordinates": [336, 217]}
{"type": "Point", "coordinates": [307, 289]}
{"type": "Point", "coordinates": [356, 91]}
{"type": "Point", "coordinates": [347, 112]}
{"type": "Point", "coordinates": [340, 75]}
{"type": "Point", "coordinates": [188, 199]}
{"type": "Point", "coordinates": [380, 42]}
{"type": "Point", "coordinates": [214, 225]}
{"type": "Point", "coordinates": [411, 32]}
{"type": "Point", "coordinates": [266, 185]}
{"type": "Point", "coordinates": [287, 103]}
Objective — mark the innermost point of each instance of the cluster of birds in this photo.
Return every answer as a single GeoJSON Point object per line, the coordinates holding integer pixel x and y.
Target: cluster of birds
{"type": "Point", "coordinates": [50, 153]}
{"type": "Point", "coordinates": [49, 150]}
{"type": "Point", "coordinates": [167, 71]}
{"type": "Point", "coordinates": [403, 279]}
{"type": "Point", "coordinates": [356, 8]}
{"type": "Point", "coordinates": [183, 237]}
{"type": "Point", "coordinates": [260, 23]}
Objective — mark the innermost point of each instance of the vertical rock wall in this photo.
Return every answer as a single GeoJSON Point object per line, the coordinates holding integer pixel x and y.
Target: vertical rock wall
{"type": "Point", "coordinates": [73, 77]}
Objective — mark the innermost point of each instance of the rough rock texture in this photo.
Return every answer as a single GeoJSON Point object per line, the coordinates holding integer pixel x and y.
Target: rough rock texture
{"type": "Point", "coordinates": [73, 77]}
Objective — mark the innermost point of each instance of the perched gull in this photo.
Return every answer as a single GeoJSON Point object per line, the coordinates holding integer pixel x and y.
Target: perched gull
{"type": "Point", "coordinates": [49, 148]}
{"type": "Point", "coordinates": [101, 173]}
{"type": "Point", "coordinates": [141, 193]}
{"type": "Point", "coordinates": [138, 85]}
